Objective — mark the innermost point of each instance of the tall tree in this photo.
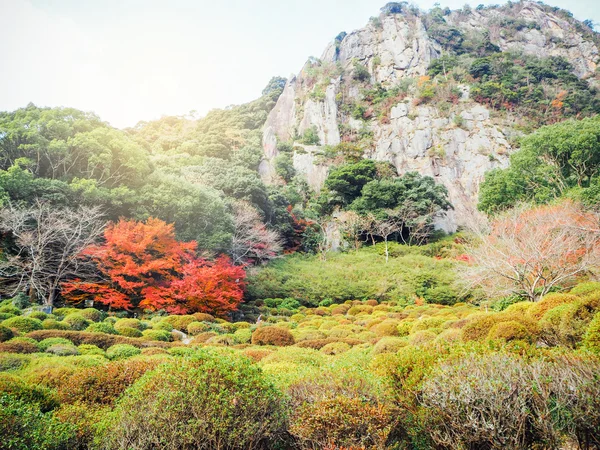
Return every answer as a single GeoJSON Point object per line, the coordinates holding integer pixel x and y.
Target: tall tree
{"type": "Point", "coordinates": [529, 251]}
{"type": "Point", "coordinates": [44, 247]}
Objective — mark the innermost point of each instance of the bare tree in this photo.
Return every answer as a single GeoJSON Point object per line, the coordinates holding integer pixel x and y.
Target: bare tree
{"type": "Point", "coordinates": [46, 243]}
{"type": "Point", "coordinates": [528, 251]}
{"type": "Point", "coordinates": [252, 240]}
{"type": "Point", "coordinates": [353, 226]}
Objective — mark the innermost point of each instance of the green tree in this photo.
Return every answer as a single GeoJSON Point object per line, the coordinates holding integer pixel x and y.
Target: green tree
{"type": "Point", "coordinates": [346, 182]}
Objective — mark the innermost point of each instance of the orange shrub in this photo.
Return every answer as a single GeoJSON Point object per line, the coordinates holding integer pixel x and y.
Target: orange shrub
{"type": "Point", "coordinates": [269, 335]}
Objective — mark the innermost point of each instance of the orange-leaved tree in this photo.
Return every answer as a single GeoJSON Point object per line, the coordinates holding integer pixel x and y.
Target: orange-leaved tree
{"type": "Point", "coordinates": [143, 265]}
{"type": "Point", "coordinates": [531, 250]}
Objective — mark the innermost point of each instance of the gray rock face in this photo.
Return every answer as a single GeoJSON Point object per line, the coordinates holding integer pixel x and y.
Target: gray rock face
{"type": "Point", "coordinates": [455, 147]}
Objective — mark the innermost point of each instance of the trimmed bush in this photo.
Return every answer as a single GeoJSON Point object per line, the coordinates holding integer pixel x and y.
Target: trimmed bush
{"type": "Point", "coordinates": [23, 426]}
{"type": "Point", "coordinates": [10, 362]}
{"type": "Point", "coordinates": [510, 331]}
{"type": "Point", "coordinates": [180, 322]}
{"type": "Point", "coordinates": [389, 344]}
{"type": "Point", "coordinates": [62, 350]}
{"type": "Point", "coordinates": [122, 351]}
{"type": "Point", "coordinates": [43, 397]}
{"type": "Point", "coordinates": [85, 419]}
{"type": "Point", "coordinates": [591, 340]}
{"type": "Point", "coordinates": [162, 325]}
{"type": "Point", "coordinates": [88, 349]}
{"type": "Point", "coordinates": [76, 321]}
{"type": "Point", "coordinates": [203, 317]}
{"type": "Point", "coordinates": [335, 348]}
{"type": "Point", "coordinates": [92, 314]}
{"type": "Point", "coordinates": [104, 387]}
{"type": "Point", "coordinates": [549, 301]}
{"type": "Point", "coordinates": [236, 407]}
{"type": "Point", "coordinates": [422, 337]}
{"type": "Point", "coordinates": [10, 309]}
{"type": "Point", "coordinates": [23, 324]}
{"type": "Point", "coordinates": [130, 332]}
{"type": "Point", "coordinates": [195, 328]}
{"type": "Point", "coordinates": [45, 343]}
{"type": "Point", "coordinates": [270, 335]}
{"type": "Point", "coordinates": [128, 323]}
{"type": "Point", "coordinates": [583, 289]}
{"type": "Point", "coordinates": [157, 335]}
{"type": "Point", "coordinates": [388, 328]}
{"type": "Point", "coordinates": [18, 347]}
{"type": "Point", "coordinates": [101, 327]}
{"type": "Point", "coordinates": [343, 422]}
{"type": "Point", "coordinates": [53, 324]}
{"type": "Point", "coordinates": [5, 333]}
{"type": "Point", "coordinates": [102, 340]}
{"type": "Point", "coordinates": [39, 315]}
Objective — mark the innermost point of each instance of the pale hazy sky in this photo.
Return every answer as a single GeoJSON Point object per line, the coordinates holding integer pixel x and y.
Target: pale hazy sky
{"type": "Point", "coordinates": [131, 60]}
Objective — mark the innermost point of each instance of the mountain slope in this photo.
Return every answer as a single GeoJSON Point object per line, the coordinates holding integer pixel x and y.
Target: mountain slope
{"type": "Point", "coordinates": [444, 93]}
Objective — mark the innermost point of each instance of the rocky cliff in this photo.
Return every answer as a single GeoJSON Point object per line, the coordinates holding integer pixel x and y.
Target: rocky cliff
{"type": "Point", "coordinates": [371, 88]}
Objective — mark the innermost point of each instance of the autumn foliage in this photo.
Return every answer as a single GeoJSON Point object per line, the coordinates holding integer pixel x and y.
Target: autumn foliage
{"type": "Point", "coordinates": [143, 265]}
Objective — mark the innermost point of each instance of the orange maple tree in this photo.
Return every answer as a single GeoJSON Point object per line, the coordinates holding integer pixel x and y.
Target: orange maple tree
{"type": "Point", "coordinates": [143, 265]}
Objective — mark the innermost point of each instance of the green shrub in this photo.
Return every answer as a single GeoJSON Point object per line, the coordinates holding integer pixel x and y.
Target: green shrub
{"type": "Point", "coordinates": [128, 323]}
{"type": "Point", "coordinates": [510, 331]}
{"type": "Point", "coordinates": [85, 419]}
{"type": "Point", "coordinates": [180, 322]}
{"type": "Point", "coordinates": [101, 327]}
{"type": "Point", "coordinates": [13, 346]}
{"type": "Point", "coordinates": [549, 301]}
{"type": "Point", "coordinates": [88, 349]}
{"type": "Point", "coordinates": [38, 315]}
{"type": "Point", "coordinates": [5, 333]}
{"type": "Point", "coordinates": [23, 324]}
{"type": "Point", "coordinates": [157, 335]}
{"type": "Point", "coordinates": [9, 362]}
{"type": "Point", "coordinates": [583, 289]}
{"type": "Point", "coordinates": [130, 332]}
{"type": "Point", "coordinates": [4, 316]}
{"type": "Point", "coordinates": [53, 324]}
{"type": "Point", "coordinates": [45, 343]}
{"type": "Point", "coordinates": [223, 391]}
{"type": "Point", "coordinates": [196, 328]}
{"type": "Point", "coordinates": [335, 348]}
{"type": "Point", "coordinates": [64, 312]}
{"type": "Point", "coordinates": [63, 350]}
{"type": "Point", "coordinates": [23, 426]}
{"type": "Point", "coordinates": [122, 351]}
{"type": "Point", "coordinates": [10, 309]}
{"type": "Point", "coordinates": [43, 397]}
{"type": "Point", "coordinates": [163, 325]}
{"type": "Point", "coordinates": [271, 335]}
{"type": "Point", "coordinates": [591, 340]}
{"type": "Point", "coordinates": [421, 337]}
{"type": "Point", "coordinates": [92, 314]}
{"type": "Point", "coordinates": [389, 344]}
{"type": "Point", "coordinates": [76, 321]}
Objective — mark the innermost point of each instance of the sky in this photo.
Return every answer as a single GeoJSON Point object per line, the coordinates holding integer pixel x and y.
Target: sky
{"type": "Point", "coordinates": [132, 60]}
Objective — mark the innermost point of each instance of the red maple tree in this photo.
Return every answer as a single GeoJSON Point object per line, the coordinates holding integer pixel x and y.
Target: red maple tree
{"type": "Point", "coordinates": [143, 265]}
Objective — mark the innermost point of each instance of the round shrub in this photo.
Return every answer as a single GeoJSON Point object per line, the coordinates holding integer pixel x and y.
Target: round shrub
{"type": "Point", "coordinates": [62, 350]}
{"type": "Point", "coordinates": [243, 336]}
{"type": "Point", "coordinates": [389, 344]}
{"type": "Point", "coordinates": [162, 325]}
{"type": "Point", "coordinates": [510, 331]}
{"type": "Point", "coordinates": [241, 325]}
{"type": "Point", "coordinates": [24, 426]}
{"type": "Point", "coordinates": [53, 324]}
{"type": "Point", "coordinates": [89, 349]}
{"type": "Point", "coordinates": [180, 322]}
{"type": "Point", "coordinates": [154, 351]}
{"type": "Point", "coordinates": [130, 332]}
{"type": "Point", "coordinates": [92, 314]}
{"type": "Point", "coordinates": [103, 387]}
{"type": "Point", "coordinates": [387, 328]}
{"type": "Point", "coordinates": [257, 354]}
{"type": "Point", "coordinates": [42, 396]}
{"type": "Point", "coordinates": [591, 340]}
{"type": "Point", "coordinates": [23, 324]}
{"type": "Point", "coordinates": [451, 335]}
{"type": "Point", "coordinates": [537, 310]}
{"type": "Point", "coordinates": [225, 392]}
{"type": "Point", "coordinates": [343, 422]}
{"type": "Point", "coordinates": [44, 344]}
{"type": "Point", "coordinates": [128, 323]}
{"type": "Point", "coordinates": [203, 337]}
{"type": "Point", "coordinates": [85, 419]}
{"type": "Point", "coordinates": [76, 321]}
{"type": "Point", "coordinates": [101, 327]}
{"type": "Point", "coordinates": [583, 289]}
{"type": "Point", "coordinates": [478, 326]}
{"type": "Point", "coordinates": [203, 317]}
{"type": "Point", "coordinates": [5, 333]}
{"type": "Point", "coordinates": [18, 347]}
{"type": "Point", "coordinates": [421, 337]}
{"type": "Point", "coordinates": [122, 351]}
{"type": "Point", "coordinates": [10, 309]}
{"type": "Point", "coordinates": [64, 312]}
{"type": "Point", "coordinates": [195, 328]}
{"type": "Point", "coordinates": [335, 348]}
{"type": "Point", "coordinates": [38, 315]}
{"type": "Point", "coordinates": [157, 335]}
{"type": "Point", "coordinates": [270, 335]}
{"type": "Point", "coordinates": [10, 362]}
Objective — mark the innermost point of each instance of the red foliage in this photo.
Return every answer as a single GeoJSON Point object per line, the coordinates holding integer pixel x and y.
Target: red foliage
{"type": "Point", "coordinates": [143, 265]}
